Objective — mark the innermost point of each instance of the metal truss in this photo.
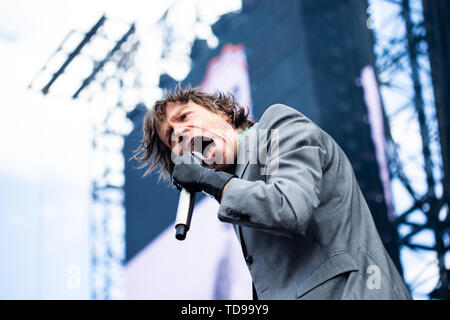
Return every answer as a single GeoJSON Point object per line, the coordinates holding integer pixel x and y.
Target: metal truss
{"type": "Point", "coordinates": [113, 88]}
{"type": "Point", "coordinates": [413, 146]}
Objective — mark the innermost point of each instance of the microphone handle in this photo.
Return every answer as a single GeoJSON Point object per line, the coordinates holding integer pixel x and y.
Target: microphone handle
{"type": "Point", "coordinates": [184, 213]}
{"type": "Point", "coordinates": [186, 206]}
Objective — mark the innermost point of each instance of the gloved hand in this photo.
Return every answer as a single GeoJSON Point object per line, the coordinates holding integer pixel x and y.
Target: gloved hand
{"type": "Point", "coordinates": [194, 176]}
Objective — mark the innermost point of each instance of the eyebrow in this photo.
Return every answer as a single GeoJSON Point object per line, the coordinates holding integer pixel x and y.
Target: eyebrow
{"type": "Point", "coordinates": [176, 115]}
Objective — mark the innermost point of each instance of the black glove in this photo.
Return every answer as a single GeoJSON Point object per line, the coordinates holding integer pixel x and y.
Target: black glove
{"type": "Point", "coordinates": [193, 175]}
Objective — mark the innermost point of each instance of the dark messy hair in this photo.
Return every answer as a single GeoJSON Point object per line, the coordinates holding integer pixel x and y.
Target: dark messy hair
{"type": "Point", "coordinates": [154, 153]}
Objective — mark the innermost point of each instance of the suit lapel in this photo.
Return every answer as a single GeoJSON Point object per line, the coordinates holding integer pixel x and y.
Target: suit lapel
{"type": "Point", "coordinates": [242, 162]}
{"type": "Point", "coordinates": [240, 169]}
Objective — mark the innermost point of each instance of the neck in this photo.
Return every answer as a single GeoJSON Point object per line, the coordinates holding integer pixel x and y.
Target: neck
{"type": "Point", "coordinates": [240, 134]}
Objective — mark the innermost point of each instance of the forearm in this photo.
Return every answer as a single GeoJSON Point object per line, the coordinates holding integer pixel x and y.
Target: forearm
{"type": "Point", "coordinates": [267, 206]}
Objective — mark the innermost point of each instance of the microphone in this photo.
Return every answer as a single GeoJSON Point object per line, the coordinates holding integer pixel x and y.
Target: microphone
{"type": "Point", "coordinates": [184, 213]}
{"type": "Point", "coordinates": [185, 207]}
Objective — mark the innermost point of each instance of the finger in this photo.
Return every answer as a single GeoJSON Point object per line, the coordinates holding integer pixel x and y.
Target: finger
{"type": "Point", "coordinates": [177, 186]}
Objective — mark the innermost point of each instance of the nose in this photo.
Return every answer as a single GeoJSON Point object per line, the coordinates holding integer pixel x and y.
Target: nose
{"type": "Point", "coordinates": [180, 134]}
{"type": "Point", "coordinates": [180, 131]}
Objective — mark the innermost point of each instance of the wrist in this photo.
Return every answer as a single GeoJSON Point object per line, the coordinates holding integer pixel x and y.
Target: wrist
{"type": "Point", "coordinates": [216, 183]}
{"type": "Point", "coordinates": [224, 187]}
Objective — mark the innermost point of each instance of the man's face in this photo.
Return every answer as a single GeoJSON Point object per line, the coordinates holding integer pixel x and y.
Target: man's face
{"type": "Point", "coordinates": [192, 127]}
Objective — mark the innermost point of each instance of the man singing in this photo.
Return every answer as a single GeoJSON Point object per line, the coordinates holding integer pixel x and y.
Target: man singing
{"type": "Point", "coordinates": [305, 229]}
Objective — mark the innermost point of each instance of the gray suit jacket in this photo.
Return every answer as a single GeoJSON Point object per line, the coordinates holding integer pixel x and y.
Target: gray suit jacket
{"type": "Point", "coordinates": [306, 228]}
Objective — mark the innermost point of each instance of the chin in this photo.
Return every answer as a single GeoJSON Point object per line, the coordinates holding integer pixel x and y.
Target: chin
{"type": "Point", "coordinates": [219, 156]}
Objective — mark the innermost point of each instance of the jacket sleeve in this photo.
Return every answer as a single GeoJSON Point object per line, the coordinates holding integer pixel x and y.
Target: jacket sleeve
{"type": "Point", "coordinates": [281, 202]}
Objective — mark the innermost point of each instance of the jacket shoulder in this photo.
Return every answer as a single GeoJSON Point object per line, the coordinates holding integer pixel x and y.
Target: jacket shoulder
{"type": "Point", "coordinates": [279, 113]}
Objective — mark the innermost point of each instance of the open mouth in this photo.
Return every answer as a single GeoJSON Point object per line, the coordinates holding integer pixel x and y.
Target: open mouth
{"type": "Point", "coordinates": [204, 145]}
